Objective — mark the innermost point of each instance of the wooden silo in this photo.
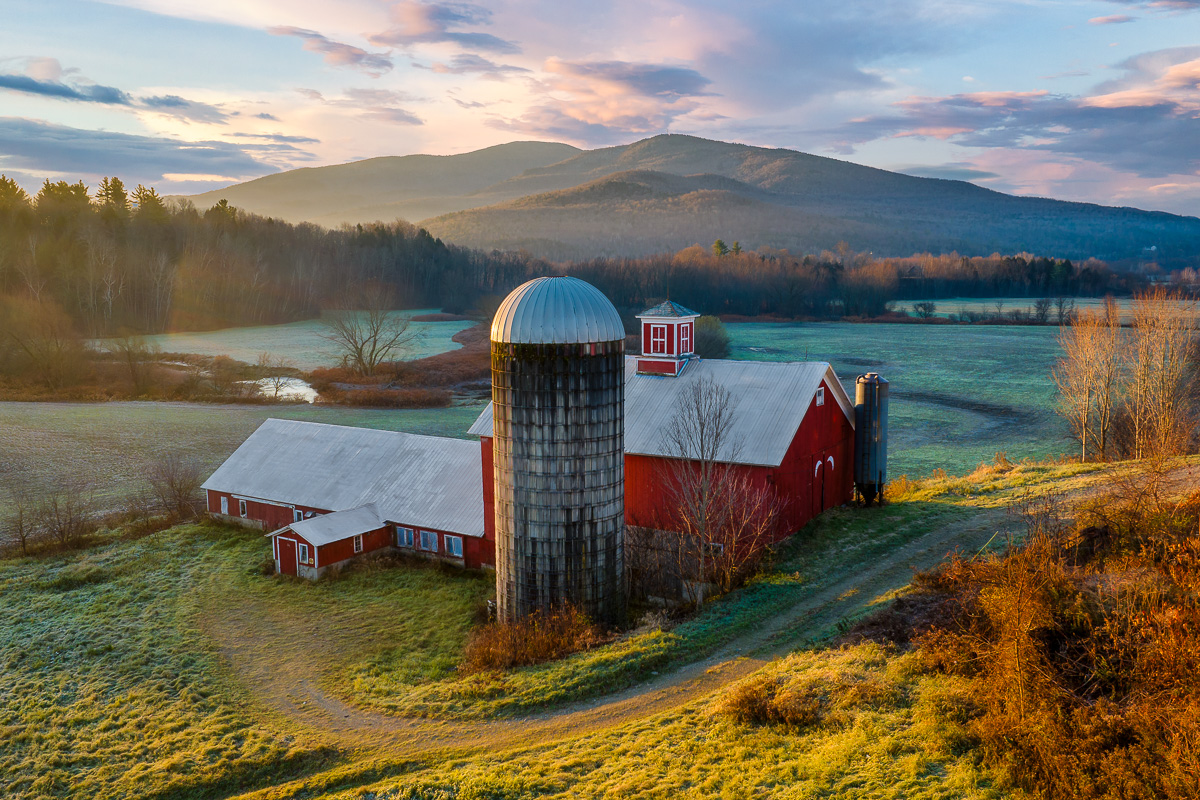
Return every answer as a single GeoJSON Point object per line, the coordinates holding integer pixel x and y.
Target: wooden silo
{"type": "Point", "coordinates": [558, 391]}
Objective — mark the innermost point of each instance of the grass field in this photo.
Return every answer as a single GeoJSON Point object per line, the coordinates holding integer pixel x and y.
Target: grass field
{"type": "Point", "coordinates": [113, 682]}
{"type": "Point", "coordinates": [987, 305]}
{"type": "Point", "coordinates": [958, 394]}
{"type": "Point", "coordinates": [301, 342]}
{"type": "Point", "coordinates": [108, 446]}
{"type": "Point", "coordinates": [109, 688]}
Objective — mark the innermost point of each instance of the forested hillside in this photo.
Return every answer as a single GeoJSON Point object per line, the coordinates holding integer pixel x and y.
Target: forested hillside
{"type": "Point", "coordinates": [667, 192]}
{"type": "Point", "coordinates": [126, 261]}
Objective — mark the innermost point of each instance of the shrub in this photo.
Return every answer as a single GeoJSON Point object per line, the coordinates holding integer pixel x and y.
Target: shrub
{"type": "Point", "coordinates": [537, 638]}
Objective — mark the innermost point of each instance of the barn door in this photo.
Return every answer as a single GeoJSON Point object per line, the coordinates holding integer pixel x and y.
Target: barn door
{"type": "Point", "coordinates": [287, 556]}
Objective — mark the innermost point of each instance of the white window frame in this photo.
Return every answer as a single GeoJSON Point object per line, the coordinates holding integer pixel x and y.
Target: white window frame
{"type": "Point", "coordinates": [820, 395]}
{"type": "Point", "coordinates": [405, 537]}
{"type": "Point", "coordinates": [658, 340]}
{"type": "Point", "coordinates": [685, 335]}
{"type": "Point", "coordinates": [301, 553]}
{"type": "Point", "coordinates": [358, 544]}
{"type": "Point", "coordinates": [433, 538]}
{"type": "Point", "coordinates": [243, 509]}
{"type": "Point", "coordinates": [454, 546]}
{"type": "Point", "coordinates": [297, 515]}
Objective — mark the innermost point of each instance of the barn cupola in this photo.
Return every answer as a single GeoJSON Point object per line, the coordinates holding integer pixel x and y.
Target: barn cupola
{"type": "Point", "coordinates": [668, 339]}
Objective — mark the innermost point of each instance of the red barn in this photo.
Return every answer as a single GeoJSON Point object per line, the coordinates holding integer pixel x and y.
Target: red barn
{"type": "Point", "coordinates": [329, 493]}
{"type": "Point", "coordinates": [792, 427]}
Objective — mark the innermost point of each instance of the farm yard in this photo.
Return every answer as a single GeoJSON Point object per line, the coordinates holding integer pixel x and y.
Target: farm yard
{"type": "Point", "coordinates": [228, 681]}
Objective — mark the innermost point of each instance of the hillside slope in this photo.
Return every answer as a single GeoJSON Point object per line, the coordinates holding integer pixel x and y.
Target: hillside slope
{"type": "Point", "coordinates": [408, 187]}
{"type": "Point", "coordinates": [670, 191]}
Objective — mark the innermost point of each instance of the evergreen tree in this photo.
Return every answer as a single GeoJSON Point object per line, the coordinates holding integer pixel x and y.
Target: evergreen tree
{"type": "Point", "coordinates": [12, 196]}
{"type": "Point", "coordinates": [720, 248]}
{"type": "Point", "coordinates": [149, 204]}
{"type": "Point", "coordinates": [112, 195]}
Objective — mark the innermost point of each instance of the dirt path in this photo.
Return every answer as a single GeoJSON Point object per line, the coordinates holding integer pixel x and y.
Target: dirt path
{"type": "Point", "coordinates": [292, 687]}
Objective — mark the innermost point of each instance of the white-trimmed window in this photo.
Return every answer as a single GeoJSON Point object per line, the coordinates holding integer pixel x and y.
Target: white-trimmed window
{"type": "Point", "coordinates": [242, 508]}
{"type": "Point", "coordinates": [454, 546]}
{"type": "Point", "coordinates": [685, 339]}
{"type": "Point", "coordinates": [302, 552]}
{"type": "Point", "coordinates": [404, 537]}
{"type": "Point", "coordinates": [358, 543]}
{"type": "Point", "coordinates": [297, 515]}
{"type": "Point", "coordinates": [429, 541]}
{"type": "Point", "coordinates": [658, 339]}
{"type": "Point", "coordinates": [820, 395]}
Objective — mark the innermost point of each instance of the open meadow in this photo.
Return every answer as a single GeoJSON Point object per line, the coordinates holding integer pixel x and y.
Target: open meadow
{"type": "Point", "coordinates": [959, 394]}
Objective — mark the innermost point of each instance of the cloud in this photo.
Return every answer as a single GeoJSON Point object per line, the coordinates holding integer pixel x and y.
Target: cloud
{"type": "Point", "coordinates": [471, 64]}
{"type": "Point", "coordinates": [85, 92]}
{"type": "Point", "coordinates": [37, 146]}
{"type": "Point", "coordinates": [1162, 5]}
{"type": "Point", "coordinates": [599, 102]}
{"type": "Point", "coordinates": [1147, 124]}
{"type": "Point", "coordinates": [952, 171]}
{"type": "Point", "coordinates": [277, 137]}
{"type": "Point", "coordinates": [377, 104]}
{"type": "Point", "coordinates": [337, 53]}
{"type": "Point", "coordinates": [266, 116]}
{"type": "Point", "coordinates": [189, 110]}
{"type": "Point", "coordinates": [1111, 19]}
{"type": "Point", "coordinates": [434, 23]}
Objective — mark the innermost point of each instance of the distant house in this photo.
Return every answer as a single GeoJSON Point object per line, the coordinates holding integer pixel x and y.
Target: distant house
{"type": "Point", "coordinates": [329, 493]}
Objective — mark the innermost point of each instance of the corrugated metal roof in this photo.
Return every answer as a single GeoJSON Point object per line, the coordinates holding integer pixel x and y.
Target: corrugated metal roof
{"type": "Point", "coordinates": [669, 308]}
{"type": "Point", "coordinates": [557, 311]}
{"type": "Point", "coordinates": [339, 525]}
{"type": "Point", "coordinates": [770, 400]}
{"type": "Point", "coordinates": [426, 481]}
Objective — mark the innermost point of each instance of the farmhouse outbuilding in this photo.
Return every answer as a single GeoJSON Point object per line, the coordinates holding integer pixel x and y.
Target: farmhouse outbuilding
{"type": "Point", "coordinates": [320, 487]}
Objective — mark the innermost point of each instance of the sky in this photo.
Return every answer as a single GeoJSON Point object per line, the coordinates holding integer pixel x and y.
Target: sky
{"type": "Point", "coordinates": [1088, 100]}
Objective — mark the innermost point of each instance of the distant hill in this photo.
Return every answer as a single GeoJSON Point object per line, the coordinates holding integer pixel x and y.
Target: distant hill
{"type": "Point", "coordinates": [670, 191]}
{"type": "Point", "coordinates": [405, 187]}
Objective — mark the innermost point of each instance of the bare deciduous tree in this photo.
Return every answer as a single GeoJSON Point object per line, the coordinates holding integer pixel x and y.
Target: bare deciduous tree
{"type": "Point", "coordinates": [1164, 352]}
{"type": "Point", "coordinates": [276, 371]}
{"type": "Point", "coordinates": [137, 356]}
{"type": "Point", "coordinates": [175, 481]}
{"type": "Point", "coordinates": [1087, 376]}
{"type": "Point", "coordinates": [724, 521]}
{"type": "Point", "coordinates": [366, 332]}
{"type": "Point", "coordinates": [66, 514]}
{"type": "Point", "coordinates": [21, 525]}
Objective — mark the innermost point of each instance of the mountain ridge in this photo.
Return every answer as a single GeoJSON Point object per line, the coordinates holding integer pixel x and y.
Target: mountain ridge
{"type": "Point", "coordinates": [670, 191]}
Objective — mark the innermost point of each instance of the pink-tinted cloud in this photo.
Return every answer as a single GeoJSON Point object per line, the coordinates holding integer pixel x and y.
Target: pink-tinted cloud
{"type": "Point", "coordinates": [1111, 19]}
{"type": "Point", "coordinates": [435, 23]}
{"type": "Point", "coordinates": [338, 54]}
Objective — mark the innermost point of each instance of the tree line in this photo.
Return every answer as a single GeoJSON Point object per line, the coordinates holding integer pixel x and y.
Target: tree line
{"type": "Point", "coordinates": [117, 260]}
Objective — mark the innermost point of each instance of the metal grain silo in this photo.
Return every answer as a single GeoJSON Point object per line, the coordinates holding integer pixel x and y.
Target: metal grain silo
{"type": "Point", "coordinates": [870, 435]}
{"type": "Point", "coordinates": [558, 393]}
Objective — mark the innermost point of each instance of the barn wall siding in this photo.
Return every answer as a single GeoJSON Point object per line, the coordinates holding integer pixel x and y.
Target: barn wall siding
{"type": "Point", "coordinates": [343, 549]}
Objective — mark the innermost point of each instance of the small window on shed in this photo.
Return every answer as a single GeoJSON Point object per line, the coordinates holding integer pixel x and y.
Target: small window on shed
{"type": "Point", "coordinates": [358, 543]}
{"type": "Point", "coordinates": [429, 541]}
{"type": "Point", "coordinates": [302, 552]}
{"type": "Point", "coordinates": [820, 395]}
{"type": "Point", "coordinates": [242, 507]}
{"type": "Point", "coordinates": [404, 537]}
{"type": "Point", "coordinates": [297, 515]}
{"type": "Point", "coordinates": [454, 546]}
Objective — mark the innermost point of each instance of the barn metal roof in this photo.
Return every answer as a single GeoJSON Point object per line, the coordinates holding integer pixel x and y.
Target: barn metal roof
{"type": "Point", "coordinates": [669, 308]}
{"type": "Point", "coordinates": [424, 481]}
{"type": "Point", "coordinates": [326, 528]}
{"type": "Point", "coordinates": [557, 311]}
{"type": "Point", "coordinates": [770, 400]}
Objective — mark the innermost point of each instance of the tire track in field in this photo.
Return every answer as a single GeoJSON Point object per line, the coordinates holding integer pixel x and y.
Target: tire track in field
{"type": "Point", "coordinates": [288, 679]}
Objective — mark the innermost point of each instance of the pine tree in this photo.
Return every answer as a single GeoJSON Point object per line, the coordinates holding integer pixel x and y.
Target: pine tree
{"type": "Point", "coordinates": [720, 248]}
{"type": "Point", "coordinates": [112, 195]}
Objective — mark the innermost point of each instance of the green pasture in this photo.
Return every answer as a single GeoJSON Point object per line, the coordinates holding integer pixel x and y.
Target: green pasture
{"type": "Point", "coordinates": [958, 394]}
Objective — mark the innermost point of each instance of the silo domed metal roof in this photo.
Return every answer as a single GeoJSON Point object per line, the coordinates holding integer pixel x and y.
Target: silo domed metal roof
{"type": "Point", "coordinates": [557, 311]}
